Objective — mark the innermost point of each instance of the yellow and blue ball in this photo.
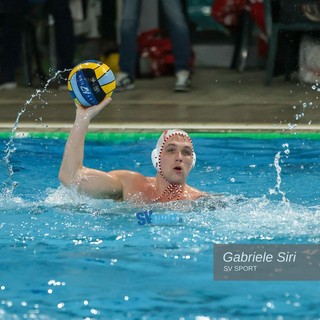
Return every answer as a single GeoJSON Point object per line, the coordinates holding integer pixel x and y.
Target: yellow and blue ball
{"type": "Point", "coordinates": [90, 82]}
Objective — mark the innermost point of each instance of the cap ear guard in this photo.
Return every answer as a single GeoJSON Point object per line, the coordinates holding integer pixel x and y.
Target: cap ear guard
{"type": "Point", "coordinates": [194, 159]}
{"type": "Point", "coordinates": [155, 159]}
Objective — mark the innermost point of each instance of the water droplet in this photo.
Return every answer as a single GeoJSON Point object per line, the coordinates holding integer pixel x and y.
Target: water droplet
{"type": "Point", "coordinates": [94, 311]}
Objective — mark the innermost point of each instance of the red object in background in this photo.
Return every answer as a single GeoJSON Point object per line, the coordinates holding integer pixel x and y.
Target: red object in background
{"type": "Point", "coordinates": [156, 46]}
{"type": "Point", "coordinates": [228, 12]}
{"type": "Point", "coordinates": [257, 13]}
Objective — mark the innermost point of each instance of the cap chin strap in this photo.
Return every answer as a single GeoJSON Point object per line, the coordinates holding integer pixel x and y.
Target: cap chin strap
{"type": "Point", "coordinates": [155, 159]}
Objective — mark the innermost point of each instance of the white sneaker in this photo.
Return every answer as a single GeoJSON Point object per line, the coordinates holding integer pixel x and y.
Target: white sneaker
{"type": "Point", "coordinates": [63, 87]}
{"type": "Point", "coordinates": [183, 81]}
{"type": "Point", "coordinates": [124, 82]}
{"type": "Point", "coordinates": [8, 86]}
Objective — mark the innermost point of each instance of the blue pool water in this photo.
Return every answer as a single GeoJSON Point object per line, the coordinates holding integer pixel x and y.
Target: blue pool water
{"type": "Point", "coordinates": [65, 256]}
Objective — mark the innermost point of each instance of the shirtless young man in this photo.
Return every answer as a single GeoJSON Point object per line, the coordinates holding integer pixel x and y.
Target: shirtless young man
{"type": "Point", "coordinates": [173, 159]}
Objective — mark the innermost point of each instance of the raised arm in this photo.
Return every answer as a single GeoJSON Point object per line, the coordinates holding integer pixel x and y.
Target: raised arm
{"type": "Point", "coordinates": [72, 172]}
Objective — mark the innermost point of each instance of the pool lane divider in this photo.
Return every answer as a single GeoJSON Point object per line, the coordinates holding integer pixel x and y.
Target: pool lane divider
{"type": "Point", "coordinates": [136, 136]}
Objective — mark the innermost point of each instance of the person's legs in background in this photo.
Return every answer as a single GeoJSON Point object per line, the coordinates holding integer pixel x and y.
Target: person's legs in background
{"type": "Point", "coordinates": [179, 34]}
{"type": "Point", "coordinates": [12, 19]}
{"type": "Point", "coordinates": [64, 35]}
{"type": "Point", "coordinates": [107, 25]}
{"type": "Point", "coordinates": [131, 10]}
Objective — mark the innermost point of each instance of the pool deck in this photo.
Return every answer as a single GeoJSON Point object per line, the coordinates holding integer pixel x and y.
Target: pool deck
{"type": "Point", "coordinates": [221, 100]}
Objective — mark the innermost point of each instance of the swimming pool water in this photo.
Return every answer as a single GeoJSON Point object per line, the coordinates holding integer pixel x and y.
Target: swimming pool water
{"type": "Point", "coordinates": [65, 256]}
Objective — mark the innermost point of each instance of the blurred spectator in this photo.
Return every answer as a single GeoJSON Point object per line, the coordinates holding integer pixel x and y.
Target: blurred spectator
{"type": "Point", "coordinates": [107, 25]}
{"type": "Point", "coordinates": [108, 30]}
{"type": "Point", "coordinates": [64, 35]}
{"type": "Point", "coordinates": [12, 20]}
{"type": "Point", "coordinates": [13, 14]}
{"type": "Point", "coordinates": [179, 35]}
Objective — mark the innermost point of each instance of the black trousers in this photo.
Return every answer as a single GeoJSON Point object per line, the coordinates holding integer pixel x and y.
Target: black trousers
{"type": "Point", "coordinates": [13, 14]}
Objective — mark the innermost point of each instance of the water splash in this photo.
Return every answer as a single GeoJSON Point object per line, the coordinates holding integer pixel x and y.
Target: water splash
{"type": "Point", "coordinates": [9, 184]}
{"type": "Point", "coordinates": [277, 187]}
{"type": "Point", "coordinates": [305, 106]}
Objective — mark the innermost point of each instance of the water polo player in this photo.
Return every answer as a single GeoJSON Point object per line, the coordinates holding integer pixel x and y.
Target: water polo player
{"type": "Point", "coordinates": [173, 158]}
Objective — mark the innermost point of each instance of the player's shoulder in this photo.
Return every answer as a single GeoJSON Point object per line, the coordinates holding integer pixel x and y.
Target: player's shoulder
{"type": "Point", "coordinates": [128, 175]}
{"type": "Point", "coordinates": [196, 193]}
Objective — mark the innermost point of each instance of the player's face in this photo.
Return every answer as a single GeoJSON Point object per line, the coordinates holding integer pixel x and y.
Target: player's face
{"type": "Point", "coordinates": [176, 159]}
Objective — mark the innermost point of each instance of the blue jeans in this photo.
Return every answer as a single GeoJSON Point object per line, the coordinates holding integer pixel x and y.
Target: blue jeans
{"type": "Point", "coordinates": [176, 25]}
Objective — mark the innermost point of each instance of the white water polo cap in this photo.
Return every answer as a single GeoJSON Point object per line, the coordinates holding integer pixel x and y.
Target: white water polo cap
{"type": "Point", "coordinates": [156, 153]}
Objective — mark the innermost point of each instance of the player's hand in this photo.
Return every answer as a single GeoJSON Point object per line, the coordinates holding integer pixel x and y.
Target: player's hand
{"type": "Point", "coordinates": [90, 112]}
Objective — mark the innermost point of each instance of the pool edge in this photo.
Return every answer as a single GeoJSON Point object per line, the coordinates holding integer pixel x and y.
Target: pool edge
{"type": "Point", "coordinates": [117, 132]}
{"type": "Point", "coordinates": [156, 127]}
